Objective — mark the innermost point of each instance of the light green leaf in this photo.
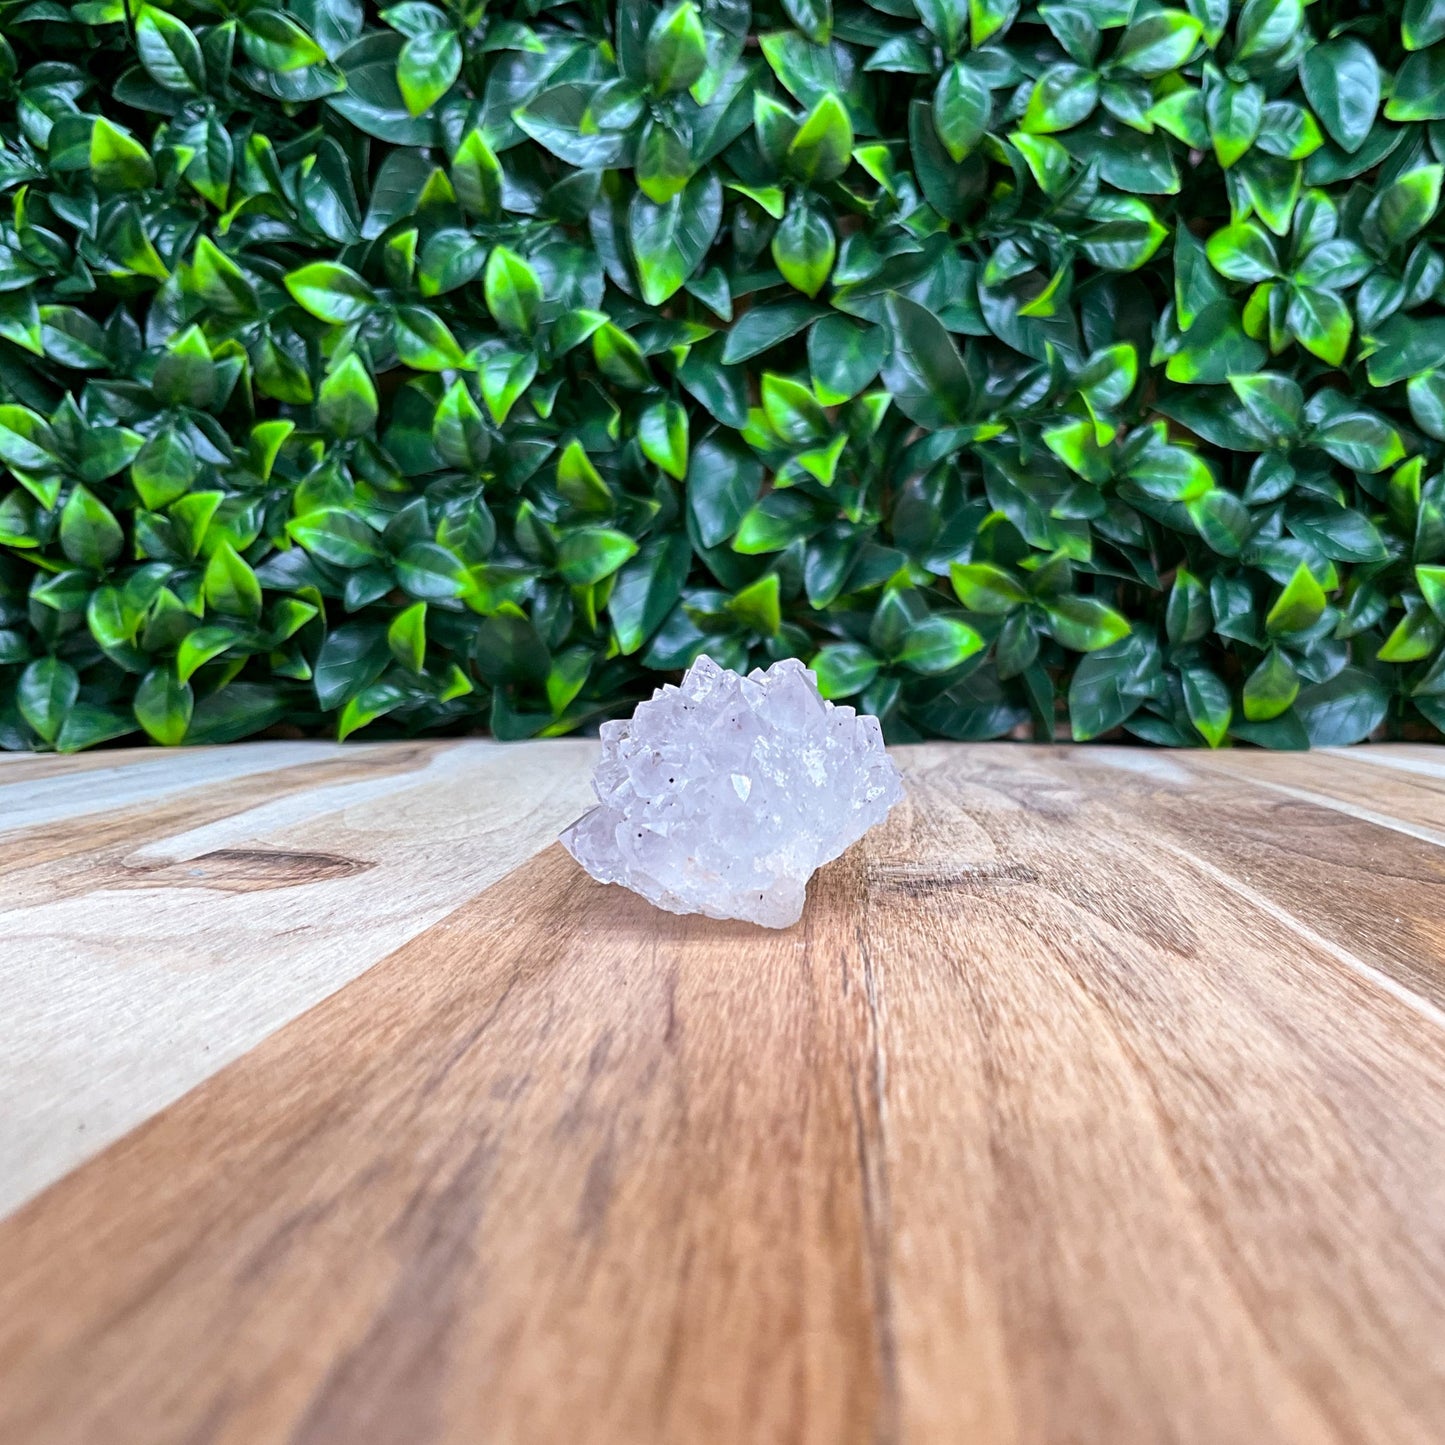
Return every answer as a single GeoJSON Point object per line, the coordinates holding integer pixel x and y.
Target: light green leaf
{"type": "Point", "coordinates": [427, 68]}
{"type": "Point", "coordinates": [512, 290]}
{"type": "Point", "coordinates": [331, 292]}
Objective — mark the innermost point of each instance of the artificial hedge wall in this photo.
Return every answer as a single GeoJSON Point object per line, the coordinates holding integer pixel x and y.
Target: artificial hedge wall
{"type": "Point", "coordinates": [442, 367]}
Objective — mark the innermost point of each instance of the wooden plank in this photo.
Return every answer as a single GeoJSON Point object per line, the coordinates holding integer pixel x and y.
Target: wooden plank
{"type": "Point", "coordinates": [1373, 888]}
{"type": "Point", "coordinates": [158, 922]}
{"type": "Point", "coordinates": [42, 791]}
{"type": "Point", "coordinates": [1405, 798]}
{"type": "Point", "coordinates": [1039, 1129]}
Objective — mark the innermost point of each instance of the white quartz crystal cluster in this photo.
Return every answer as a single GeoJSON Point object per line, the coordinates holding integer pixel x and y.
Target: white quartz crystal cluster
{"type": "Point", "coordinates": [724, 795]}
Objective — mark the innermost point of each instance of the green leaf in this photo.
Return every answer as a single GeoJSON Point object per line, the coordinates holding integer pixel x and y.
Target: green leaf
{"type": "Point", "coordinates": [406, 637]}
{"type": "Point", "coordinates": [813, 17]}
{"type": "Point", "coordinates": [26, 442]}
{"type": "Point", "coordinates": [567, 678]}
{"type": "Point", "coordinates": [589, 554]}
{"type": "Point", "coordinates": [276, 42]}
{"type": "Point", "coordinates": [647, 589]}
{"type": "Point", "coordinates": [1415, 636]}
{"type": "Point", "coordinates": [1299, 606]}
{"type": "Point", "coordinates": [1235, 114]}
{"type": "Point", "coordinates": [1108, 688]}
{"type": "Point", "coordinates": [843, 357]}
{"type": "Point", "coordinates": [946, 21]}
{"type": "Point", "coordinates": [1076, 444]}
{"type": "Point", "coordinates": [1276, 402]}
{"type": "Point", "coordinates": [662, 435]}
{"type": "Point", "coordinates": [1342, 82]}
{"type": "Point", "coordinates": [1359, 439]}
{"type": "Point", "coordinates": [458, 431]}
{"type": "Point", "coordinates": [477, 176]}
{"type": "Point", "coordinates": [804, 248]}
{"type": "Point", "coordinates": [669, 241]}
{"type": "Point", "coordinates": [427, 68]}
{"type": "Point", "coordinates": [432, 572]}
{"type": "Point", "coordinates": [220, 282]}
{"type": "Point", "coordinates": [620, 358]}
{"type": "Point", "coordinates": [1084, 624]}
{"type": "Point", "coordinates": [1419, 91]}
{"type": "Point", "coordinates": [1406, 205]}
{"type": "Point", "coordinates": [579, 481]}
{"type": "Point", "coordinates": [504, 376]}
{"type": "Point", "coordinates": [765, 327]}
{"type": "Point", "coordinates": [1431, 582]}
{"type": "Point", "coordinates": [1423, 23]}
{"type": "Point", "coordinates": [962, 104]}
{"type": "Point", "coordinates": [1270, 690]}
{"type": "Point", "coordinates": [512, 290]}
{"type": "Point", "coordinates": [1321, 321]}
{"type": "Point", "coordinates": [230, 586]}
{"type": "Point", "coordinates": [90, 536]}
{"type": "Point", "coordinates": [756, 606]}
{"type": "Point", "coordinates": [1242, 252]}
{"type": "Point", "coordinates": [1426, 394]}
{"type": "Point", "coordinates": [118, 161]}
{"type": "Point", "coordinates": [163, 706]}
{"type": "Point", "coordinates": [346, 405]}
{"type": "Point", "coordinates": [1063, 97]}
{"type": "Point", "coordinates": [923, 371]}
{"type": "Point", "coordinates": [46, 692]}
{"type": "Point", "coordinates": [423, 341]}
{"type": "Point", "coordinates": [1158, 43]}
{"type": "Point", "coordinates": [170, 52]}
{"type": "Point", "coordinates": [793, 411]}
{"type": "Point", "coordinates": [984, 588]}
{"type": "Point", "coordinates": [1266, 26]}
{"type": "Point", "coordinates": [336, 536]}
{"type": "Point", "coordinates": [1344, 710]}
{"type": "Point", "coordinates": [368, 705]}
{"type": "Point", "coordinates": [938, 644]}
{"type": "Point", "coordinates": [352, 658]}
{"type": "Point", "coordinates": [844, 669]}
{"type": "Point", "coordinates": [664, 162]}
{"type": "Point", "coordinates": [722, 484]}
{"type": "Point", "coordinates": [1206, 699]}
{"type": "Point", "coordinates": [676, 52]}
{"type": "Point", "coordinates": [774, 524]}
{"type": "Point", "coordinates": [1187, 617]}
{"type": "Point", "coordinates": [331, 292]}
{"type": "Point", "coordinates": [821, 149]}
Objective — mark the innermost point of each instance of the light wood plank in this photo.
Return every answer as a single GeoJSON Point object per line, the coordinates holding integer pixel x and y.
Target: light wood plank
{"type": "Point", "coordinates": [1049, 1125]}
{"type": "Point", "coordinates": [162, 923]}
{"type": "Point", "coordinates": [55, 790]}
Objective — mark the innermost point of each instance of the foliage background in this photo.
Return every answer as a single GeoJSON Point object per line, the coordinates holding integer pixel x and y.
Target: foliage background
{"type": "Point", "coordinates": [447, 366]}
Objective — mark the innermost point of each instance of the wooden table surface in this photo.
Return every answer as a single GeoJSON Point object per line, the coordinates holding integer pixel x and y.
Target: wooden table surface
{"type": "Point", "coordinates": [1099, 1099]}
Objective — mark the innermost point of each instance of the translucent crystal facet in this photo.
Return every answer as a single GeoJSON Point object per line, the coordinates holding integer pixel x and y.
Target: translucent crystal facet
{"type": "Point", "coordinates": [723, 796]}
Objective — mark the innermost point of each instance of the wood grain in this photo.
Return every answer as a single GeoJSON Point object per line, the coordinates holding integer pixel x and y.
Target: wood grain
{"type": "Point", "coordinates": [165, 912]}
{"type": "Point", "coordinates": [1069, 1114]}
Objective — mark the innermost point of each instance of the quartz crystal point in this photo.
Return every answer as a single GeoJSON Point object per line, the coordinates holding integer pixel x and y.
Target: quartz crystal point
{"type": "Point", "coordinates": [724, 795]}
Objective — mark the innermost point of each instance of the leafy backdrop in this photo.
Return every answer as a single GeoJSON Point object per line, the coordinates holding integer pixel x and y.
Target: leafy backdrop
{"type": "Point", "coordinates": [443, 366]}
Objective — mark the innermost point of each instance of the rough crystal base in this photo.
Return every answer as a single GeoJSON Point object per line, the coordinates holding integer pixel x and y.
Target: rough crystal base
{"type": "Point", "coordinates": [723, 796]}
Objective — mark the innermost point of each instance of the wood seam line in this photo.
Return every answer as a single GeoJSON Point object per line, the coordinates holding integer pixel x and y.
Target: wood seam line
{"type": "Point", "coordinates": [1323, 800]}
{"type": "Point", "coordinates": [1237, 886]}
